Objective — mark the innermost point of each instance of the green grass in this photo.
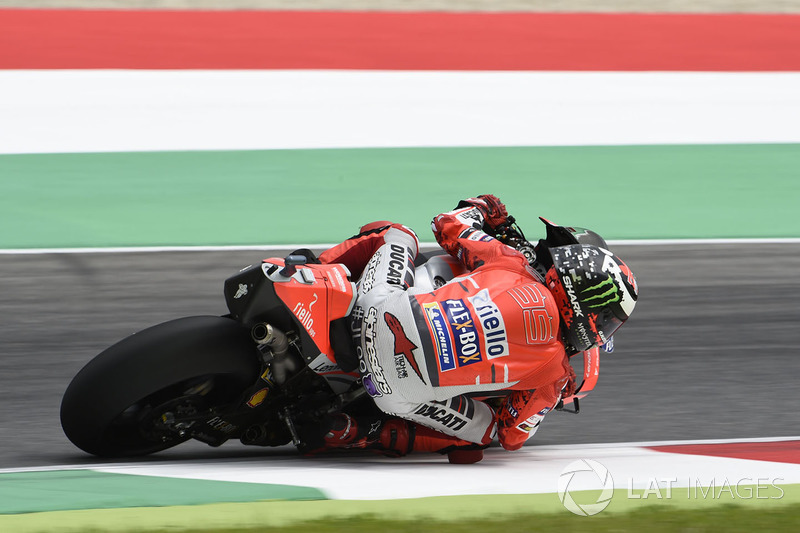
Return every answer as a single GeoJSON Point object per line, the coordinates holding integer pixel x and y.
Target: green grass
{"type": "Point", "coordinates": [653, 519]}
{"type": "Point", "coordinates": [682, 511]}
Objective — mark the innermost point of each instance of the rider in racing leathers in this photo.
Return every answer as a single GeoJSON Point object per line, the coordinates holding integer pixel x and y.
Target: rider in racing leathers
{"type": "Point", "coordinates": [503, 326]}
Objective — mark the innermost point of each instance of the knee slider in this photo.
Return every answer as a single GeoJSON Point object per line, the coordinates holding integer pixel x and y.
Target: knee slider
{"type": "Point", "coordinates": [402, 234]}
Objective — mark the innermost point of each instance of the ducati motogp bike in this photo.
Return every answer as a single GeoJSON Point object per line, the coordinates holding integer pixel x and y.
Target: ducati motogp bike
{"type": "Point", "coordinates": [281, 360]}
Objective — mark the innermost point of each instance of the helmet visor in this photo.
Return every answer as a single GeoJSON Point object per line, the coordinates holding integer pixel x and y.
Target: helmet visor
{"type": "Point", "coordinates": [607, 323]}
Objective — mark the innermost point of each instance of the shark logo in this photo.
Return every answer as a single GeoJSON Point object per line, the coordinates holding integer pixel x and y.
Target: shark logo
{"type": "Point", "coordinates": [402, 344]}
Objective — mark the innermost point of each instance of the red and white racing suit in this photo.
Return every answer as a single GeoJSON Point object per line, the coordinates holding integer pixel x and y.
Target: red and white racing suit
{"type": "Point", "coordinates": [424, 356]}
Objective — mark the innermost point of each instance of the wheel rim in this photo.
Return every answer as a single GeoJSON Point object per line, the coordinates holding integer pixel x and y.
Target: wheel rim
{"type": "Point", "coordinates": [144, 426]}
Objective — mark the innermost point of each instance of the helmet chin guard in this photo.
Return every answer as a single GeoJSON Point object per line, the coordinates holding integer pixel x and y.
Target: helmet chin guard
{"type": "Point", "coordinates": [595, 292]}
{"type": "Point", "coordinates": [591, 372]}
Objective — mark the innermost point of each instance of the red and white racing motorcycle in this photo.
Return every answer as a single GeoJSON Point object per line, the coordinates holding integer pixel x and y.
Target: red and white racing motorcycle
{"type": "Point", "coordinates": [280, 360]}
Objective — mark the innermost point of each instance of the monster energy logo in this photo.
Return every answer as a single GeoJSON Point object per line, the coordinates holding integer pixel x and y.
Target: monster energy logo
{"type": "Point", "coordinates": [605, 298]}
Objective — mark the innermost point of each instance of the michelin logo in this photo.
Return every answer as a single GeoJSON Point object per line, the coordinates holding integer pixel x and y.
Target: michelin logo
{"type": "Point", "coordinates": [441, 333]}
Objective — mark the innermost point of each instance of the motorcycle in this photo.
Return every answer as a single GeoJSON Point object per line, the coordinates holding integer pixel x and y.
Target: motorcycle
{"type": "Point", "coordinates": [280, 361]}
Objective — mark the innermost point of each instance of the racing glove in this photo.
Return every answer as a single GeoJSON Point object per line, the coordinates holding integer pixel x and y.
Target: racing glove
{"type": "Point", "coordinates": [493, 210]}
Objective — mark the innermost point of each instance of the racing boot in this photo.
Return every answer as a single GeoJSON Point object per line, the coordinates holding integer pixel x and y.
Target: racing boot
{"type": "Point", "coordinates": [458, 451]}
{"type": "Point", "coordinates": [396, 437]}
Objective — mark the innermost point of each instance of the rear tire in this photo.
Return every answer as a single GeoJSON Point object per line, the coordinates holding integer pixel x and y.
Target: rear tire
{"type": "Point", "coordinates": [107, 408]}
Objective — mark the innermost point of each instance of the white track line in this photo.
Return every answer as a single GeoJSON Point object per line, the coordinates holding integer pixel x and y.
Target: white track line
{"type": "Point", "coordinates": [534, 469]}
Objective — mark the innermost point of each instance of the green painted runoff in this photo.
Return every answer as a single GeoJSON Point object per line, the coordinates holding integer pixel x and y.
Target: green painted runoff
{"type": "Point", "coordinates": [323, 196]}
{"type": "Point", "coordinates": [34, 492]}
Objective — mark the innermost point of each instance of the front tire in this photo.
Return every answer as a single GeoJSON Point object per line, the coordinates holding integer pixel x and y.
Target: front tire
{"type": "Point", "coordinates": [108, 407]}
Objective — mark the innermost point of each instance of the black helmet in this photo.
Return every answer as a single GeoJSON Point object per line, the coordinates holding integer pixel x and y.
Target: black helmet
{"type": "Point", "coordinates": [595, 292]}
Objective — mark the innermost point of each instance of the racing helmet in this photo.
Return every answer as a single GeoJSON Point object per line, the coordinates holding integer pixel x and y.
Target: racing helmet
{"type": "Point", "coordinates": [595, 292]}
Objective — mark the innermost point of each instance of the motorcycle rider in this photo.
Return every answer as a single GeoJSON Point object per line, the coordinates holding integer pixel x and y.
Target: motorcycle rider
{"type": "Point", "coordinates": [503, 326]}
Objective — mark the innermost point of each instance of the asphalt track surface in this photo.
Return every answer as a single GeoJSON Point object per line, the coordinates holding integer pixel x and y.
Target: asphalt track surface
{"type": "Point", "coordinates": [711, 352]}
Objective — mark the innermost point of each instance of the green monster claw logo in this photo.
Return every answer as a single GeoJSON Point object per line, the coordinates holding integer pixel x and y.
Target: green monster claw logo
{"type": "Point", "coordinates": [605, 298]}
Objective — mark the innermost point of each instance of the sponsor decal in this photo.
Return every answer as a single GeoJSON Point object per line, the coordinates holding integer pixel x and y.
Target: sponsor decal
{"type": "Point", "coordinates": [340, 280]}
{"type": "Point", "coordinates": [471, 216]}
{"type": "Point", "coordinates": [241, 292]}
{"type": "Point", "coordinates": [441, 335]}
{"type": "Point", "coordinates": [608, 347]}
{"type": "Point", "coordinates": [398, 263]}
{"type": "Point", "coordinates": [491, 320]}
{"type": "Point", "coordinates": [403, 347]}
{"type": "Point", "coordinates": [303, 314]}
{"type": "Point", "coordinates": [322, 365]}
{"type": "Point", "coordinates": [368, 357]}
{"type": "Point", "coordinates": [513, 412]}
{"type": "Point", "coordinates": [609, 294]}
{"type": "Point", "coordinates": [479, 236]}
{"type": "Point", "coordinates": [370, 386]}
{"type": "Point", "coordinates": [400, 367]}
{"type": "Point", "coordinates": [221, 425]}
{"type": "Point", "coordinates": [257, 398]}
{"type": "Point", "coordinates": [368, 278]}
{"type": "Point", "coordinates": [442, 416]}
{"type": "Point", "coordinates": [573, 297]}
{"type": "Point", "coordinates": [530, 424]}
{"type": "Point", "coordinates": [374, 431]}
{"type": "Point", "coordinates": [583, 335]}
{"type": "Point", "coordinates": [465, 334]}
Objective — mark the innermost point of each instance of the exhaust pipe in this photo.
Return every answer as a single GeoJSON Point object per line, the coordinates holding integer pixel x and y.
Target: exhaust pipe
{"type": "Point", "coordinates": [283, 364]}
{"type": "Point", "coordinates": [275, 339]}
